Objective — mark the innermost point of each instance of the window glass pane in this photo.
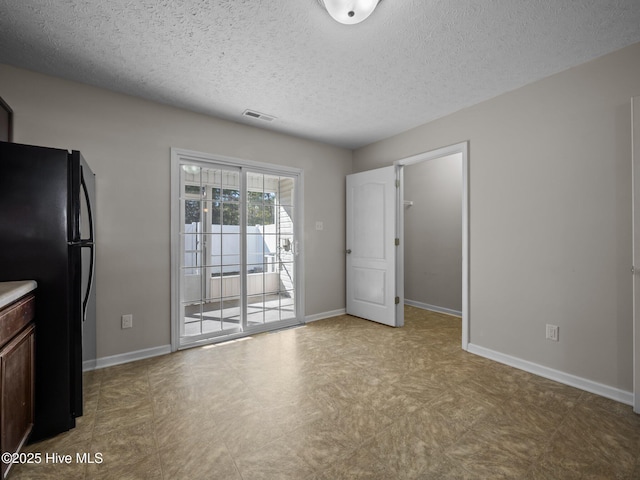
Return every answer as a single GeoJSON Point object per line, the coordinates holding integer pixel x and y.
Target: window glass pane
{"type": "Point", "coordinates": [211, 251]}
{"type": "Point", "coordinates": [192, 215]}
{"type": "Point", "coordinates": [225, 185]}
{"type": "Point", "coordinates": [190, 174]}
{"type": "Point", "coordinates": [255, 187]}
{"type": "Point", "coordinates": [255, 309]}
{"type": "Point", "coordinates": [210, 177]}
{"type": "Point", "coordinates": [215, 269]}
{"type": "Point", "coordinates": [192, 190]}
{"type": "Point", "coordinates": [285, 218]}
{"type": "Point", "coordinates": [271, 282]}
{"type": "Point", "coordinates": [230, 195]}
{"type": "Point", "coordinates": [255, 248]}
{"type": "Point", "coordinates": [230, 264]}
{"type": "Point", "coordinates": [191, 285]}
{"type": "Point", "coordinates": [270, 245]}
{"type": "Point", "coordinates": [270, 262]}
{"type": "Point", "coordinates": [229, 248]}
{"type": "Point", "coordinates": [287, 192]}
{"type": "Point", "coordinates": [214, 212]}
{"type": "Point", "coordinates": [287, 275]}
{"type": "Point", "coordinates": [231, 312]}
{"type": "Point", "coordinates": [211, 317]}
{"type": "Point", "coordinates": [192, 319]}
{"type": "Point", "coordinates": [224, 214]}
{"type": "Point", "coordinates": [271, 186]}
{"type": "Point", "coordinates": [191, 248]}
{"type": "Point", "coordinates": [231, 182]}
{"type": "Point", "coordinates": [254, 214]}
{"type": "Point", "coordinates": [261, 215]}
{"type": "Point", "coordinates": [214, 249]}
{"type": "Point", "coordinates": [287, 306]}
{"type": "Point", "coordinates": [231, 284]}
{"type": "Point", "coordinates": [231, 270]}
{"type": "Point", "coordinates": [255, 268]}
{"type": "Point", "coordinates": [257, 197]}
{"type": "Point", "coordinates": [215, 287]}
{"type": "Point", "coordinates": [230, 214]}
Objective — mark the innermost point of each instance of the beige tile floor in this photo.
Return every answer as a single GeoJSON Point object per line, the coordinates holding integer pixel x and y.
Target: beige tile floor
{"type": "Point", "coordinates": [341, 398]}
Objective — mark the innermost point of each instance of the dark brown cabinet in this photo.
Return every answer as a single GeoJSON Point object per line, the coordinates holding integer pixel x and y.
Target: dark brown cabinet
{"type": "Point", "coordinates": [16, 375]}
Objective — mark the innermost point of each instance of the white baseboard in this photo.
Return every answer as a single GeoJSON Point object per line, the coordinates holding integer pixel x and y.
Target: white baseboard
{"type": "Point", "coordinates": [613, 393]}
{"type": "Point", "coordinates": [89, 365]}
{"type": "Point", "coordinates": [323, 315]}
{"type": "Point", "coordinates": [125, 357]}
{"type": "Point", "coordinates": [433, 308]}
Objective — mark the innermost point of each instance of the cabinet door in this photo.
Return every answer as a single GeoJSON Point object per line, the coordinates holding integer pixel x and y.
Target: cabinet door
{"type": "Point", "coordinates": [16, 392]}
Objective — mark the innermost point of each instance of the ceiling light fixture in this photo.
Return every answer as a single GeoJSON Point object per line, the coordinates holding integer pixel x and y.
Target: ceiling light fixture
{"type": "Point", "coordinates": [349, 12]}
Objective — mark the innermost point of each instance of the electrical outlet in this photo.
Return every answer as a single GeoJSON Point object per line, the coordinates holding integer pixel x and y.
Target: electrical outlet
{"type": "Point", "coordinates": [319, 225]}
{"type": "Point", "coordinates": [553, 332]}
{"type": "Point", "coordinates": [127, 321]}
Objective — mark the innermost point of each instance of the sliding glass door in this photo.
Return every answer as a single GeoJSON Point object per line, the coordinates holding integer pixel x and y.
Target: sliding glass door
{"type": "Point", "coordinates": [236, 248]}
{"type": "Point", "coordinates": [210, 240]}
{"type": "Point", "coordinates": [271, 248]}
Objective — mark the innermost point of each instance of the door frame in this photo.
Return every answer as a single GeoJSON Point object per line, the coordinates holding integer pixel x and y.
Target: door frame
{"type": "Point", "coordinates": [180, 156]}
{"type": "Point", "coordinates": [458, 148]}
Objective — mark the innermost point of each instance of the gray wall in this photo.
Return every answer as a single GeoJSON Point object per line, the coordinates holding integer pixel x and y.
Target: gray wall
{"type": "Point", "coordinates": [550, 215]}
{"type": "Point", "coordinates": [127, 142]}
{"type": "Point", "coordinates": [433, 232]}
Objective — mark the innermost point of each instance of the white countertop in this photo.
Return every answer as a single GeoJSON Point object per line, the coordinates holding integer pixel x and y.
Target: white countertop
{"type": "Point", "coordinates": [12, 291]}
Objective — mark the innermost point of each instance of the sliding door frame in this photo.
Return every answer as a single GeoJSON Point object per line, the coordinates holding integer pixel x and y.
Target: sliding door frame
{"type": "Point", "coordinates": [181, 157]}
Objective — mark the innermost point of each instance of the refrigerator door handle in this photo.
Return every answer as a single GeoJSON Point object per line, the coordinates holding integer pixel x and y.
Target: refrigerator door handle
{"type": "Point", "coordinates": [87, 242]}
{"type": "Point", "coordinates": [85, 300]}
{"type": "Point", "coordinates": [87, 198]}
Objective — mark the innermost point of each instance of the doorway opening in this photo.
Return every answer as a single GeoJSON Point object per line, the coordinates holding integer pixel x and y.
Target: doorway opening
{"type": "Point", "coordinates": [433, 235]}
{"type": "Point", "coordinates": [449, 161]}
{"type": "Point", "coordinates": [235, 248]}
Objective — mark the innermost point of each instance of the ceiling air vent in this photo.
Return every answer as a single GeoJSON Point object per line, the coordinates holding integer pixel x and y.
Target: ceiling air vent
{"type": "Point", "coordinates": [258, 116]}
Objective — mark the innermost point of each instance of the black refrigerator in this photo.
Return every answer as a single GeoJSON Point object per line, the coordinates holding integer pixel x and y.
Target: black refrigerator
{"type": "Point", "coordinates": [47, 225]}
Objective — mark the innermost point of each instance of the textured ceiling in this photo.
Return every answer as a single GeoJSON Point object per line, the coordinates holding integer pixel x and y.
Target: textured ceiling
{"type": "Point", "coordinates": [410, 62]}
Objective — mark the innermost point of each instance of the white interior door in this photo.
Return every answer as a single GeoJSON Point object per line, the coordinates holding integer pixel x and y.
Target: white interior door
{"type": "Point", "coordinates": [635, 141]}
{"type": "Point", "coordinates": [371, 246]}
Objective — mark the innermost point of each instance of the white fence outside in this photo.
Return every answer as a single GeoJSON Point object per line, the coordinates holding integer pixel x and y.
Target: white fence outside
{"type": "Point", "coordinates": [224, 249]}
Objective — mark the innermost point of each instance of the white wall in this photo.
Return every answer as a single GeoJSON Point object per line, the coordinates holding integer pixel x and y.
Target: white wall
{"type": "Point", "coordinates": [433, 232]}
{"type": "Point", "coordinates": [550, 215]}
{"type": "Point", "coordinates": [127, 142]}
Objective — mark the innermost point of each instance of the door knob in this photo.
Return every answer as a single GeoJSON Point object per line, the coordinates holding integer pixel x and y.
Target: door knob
{"type": "Point", "coordinates": [348, 251]}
